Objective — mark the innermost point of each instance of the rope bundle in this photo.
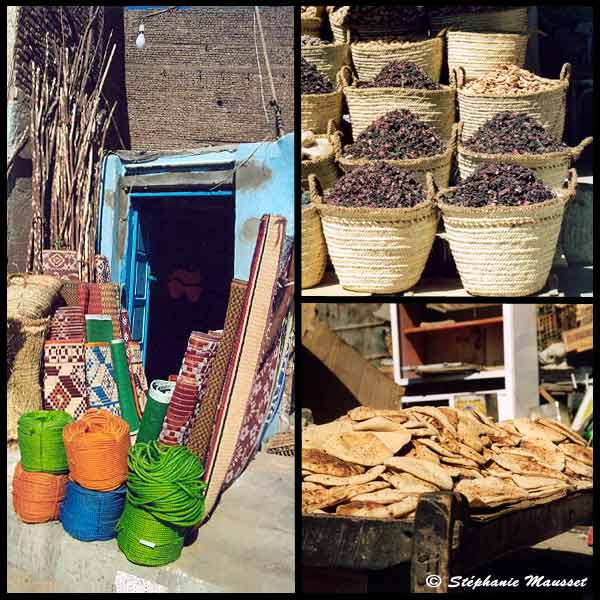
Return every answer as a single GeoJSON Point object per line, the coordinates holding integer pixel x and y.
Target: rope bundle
{"type": "Point", "coordinates": [37, 496]}
{"type": "Point", "coordinates": [88, 515]}
{"type": "Point", "coordinates": [40, 435]}
{"type": "Point", "coordinates": [96, 447]}
{"type": "Point", "coordinates": [165, 494]}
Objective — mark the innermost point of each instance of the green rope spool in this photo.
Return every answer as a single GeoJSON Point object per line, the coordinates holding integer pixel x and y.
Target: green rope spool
{"type": "Point", "coordinates": [159, 396]}
{"type": "Point", "coordinates": [165, 495]}
{"type": "Point", "coordinates": [41, 444]}
{"type": "Point", "coordinates": [123, 379]}
{"type": "Point", "coordinates": [98, 328]}
{"type": "Point", "coordinates": [145, 540]}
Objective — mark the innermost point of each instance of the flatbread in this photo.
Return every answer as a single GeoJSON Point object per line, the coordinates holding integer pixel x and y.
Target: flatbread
{"type": "Point", "coordinates": [364, 509]}
{"type": "Point", "coordinates": [387, 496]}
{"type": "Point", "coordinates": [440, 449]}
{"type": "Point", "coordinates": [317, 461]}
{"type": "Point", "coordinates": [436, 414]}
{"type": "Point", "coordinates": [490, 492]}
{"type": "Point", "coordinates": [531, 482]}
{"type": "Point", "coordinates": [546, 453]}
{"type": "Point", "coordinates": [362, 413]}
{"type": "Point", "coordinates": [425, 453]}
{"type": "Point", "coordinates": [314, 499]}
{"type": "Point", "coordinates": [332, 480]}
{"type": "Point", "coordinates": [366, 488]}
{"type": "Point", "coordinates": [560, 427]}
{"type": "Point", "coordinates": [450, 413]}
{"type": "Point", "coordinates": [378, 424]}
{"type": "Point", "coordinates": [525, 465]}
{"type": "Point", "coordinates": [422, 469]}
{"type": "Point", "coordinates": [314, 436]}
{"type": "Point", "coordinates": [578, 453]}
{"type": "Point", "coordinates": [462, 450]}
{"type": "Point", "coordinates": [307, 486]}
{"type": "Point", "coordinates": [455, 471]}
{"type": "Point", "coordinates": [534, 429]}
{"type": "Point", "coordinates": [394, 440]}
{"type": "Point", "coordinates": [409, 484]}
{"type": "Point", "coordinates": [460, 460]}
{"type": "Point", "coordinates": [579, 468]}
{"type": "Point", "coordinates": [305, 472]}
{"type": "Point", "coordinates": [360, 447]}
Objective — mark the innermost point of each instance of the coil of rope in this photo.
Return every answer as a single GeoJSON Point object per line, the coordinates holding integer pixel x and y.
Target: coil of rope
{"type": "Point", "coordinates": [41, 444]}
{"type": "Point", "coordinates": [88, 515]}
{"type": "Point", "coordinates": [37, 496]}
{"type": "Point", "coordinates": [96, 447]}
{"type": "Point", "coordinates": [165, 495]}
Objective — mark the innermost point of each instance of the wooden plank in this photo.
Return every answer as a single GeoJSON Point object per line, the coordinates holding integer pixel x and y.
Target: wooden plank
{"type": "Point", "coordinates": [459, 325]}
{"type": "Point", "coordinates": [579, 339]}
{"type": "Point", "coordinates": [355, 543]}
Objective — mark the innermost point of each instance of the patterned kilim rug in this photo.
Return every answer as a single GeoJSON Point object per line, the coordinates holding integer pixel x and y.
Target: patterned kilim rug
{"type": "Point", "coordinates": [67, 324]}
{"type": "Point", "coordinates": [245, 355]}
{"type": "Point", "coordinates": [102, 269]}
{"type": "Point", "coordinates": [65, 386]}
{"type": "Point", "coordinates": [100, 376]}
{"type": "Point", "coordinates": [203, 424]}
{"type": "Point", "coordinates": [138, 376]}
{"type": "Point", "coordinates": [61, 264]}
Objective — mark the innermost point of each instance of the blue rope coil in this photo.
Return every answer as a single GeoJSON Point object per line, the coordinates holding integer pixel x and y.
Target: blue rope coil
{"type": "Point", "coordinates": [88, 515]}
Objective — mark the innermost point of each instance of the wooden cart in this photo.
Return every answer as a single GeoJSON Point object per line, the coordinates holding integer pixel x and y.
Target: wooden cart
{"type": "Point", "coordinates": [442, 539]}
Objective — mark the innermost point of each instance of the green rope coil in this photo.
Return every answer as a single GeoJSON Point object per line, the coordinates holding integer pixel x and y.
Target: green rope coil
{"type": "Point", "coordinates": [167, 482]}
{"type": "Point", "coordinates": [41, 441]}
{"type": "Point", "coordinates": [145, 540]}
{"type": "Point", "coordinates": [165, 495]}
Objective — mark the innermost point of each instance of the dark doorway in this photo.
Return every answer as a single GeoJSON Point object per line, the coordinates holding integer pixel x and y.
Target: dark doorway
{"type": "Point", "coordinates": [191, 254]}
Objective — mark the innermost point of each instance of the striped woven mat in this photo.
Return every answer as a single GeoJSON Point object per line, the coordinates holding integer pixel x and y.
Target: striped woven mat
{"type": "Point", "coordinates": [67, 324]}
{"type": "Point", "coordinates": [100, 376]}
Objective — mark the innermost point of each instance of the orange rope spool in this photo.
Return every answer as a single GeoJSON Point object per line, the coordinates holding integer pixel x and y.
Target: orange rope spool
{"type": "Point", "coordinates": [37, 496]}
{"type": "Point", "coordinates": [96, 447]}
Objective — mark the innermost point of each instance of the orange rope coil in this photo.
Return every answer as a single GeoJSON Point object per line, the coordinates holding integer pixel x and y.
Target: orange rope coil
{"type": "Point", "coordinates": [96, 447]}
{"type": "Point", "coordinates": [37, 496]}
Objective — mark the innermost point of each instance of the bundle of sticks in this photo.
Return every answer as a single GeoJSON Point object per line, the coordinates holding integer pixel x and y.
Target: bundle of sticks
{"type": "Point", "coordinates": [70, 118]}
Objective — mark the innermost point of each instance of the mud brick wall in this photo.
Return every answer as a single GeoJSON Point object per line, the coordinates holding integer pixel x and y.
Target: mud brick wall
{"type": "Point", "coordinates": [197, 79]}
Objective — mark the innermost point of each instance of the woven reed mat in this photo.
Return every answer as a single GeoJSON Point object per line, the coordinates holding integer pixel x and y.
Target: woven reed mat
{"type": "Point", "coordinates": [65, 385]}
{"type": "Point", "coordinates": [258, 404]}
{"type": "Point", "coordinates": [245, 355]}
{"type": "Point", "coordinates": [61, 264]}
{"type": "Point", "coordinates": [195, 369]}
{"type": "Point", "coordinates": [105, 299]}
{"type": "Point", "coordinates": [100, 376]}
{"type": "Point", "coordinates": [203, 425]}
{"type": "Point", "coordinates": [25, 351]}
{"type": "Point", "coordinates": [138, 376]}
{"type": "Point", "coordinates": [67, 323]}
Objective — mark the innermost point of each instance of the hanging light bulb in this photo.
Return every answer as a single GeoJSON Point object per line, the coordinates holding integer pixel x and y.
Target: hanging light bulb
{"type": "Point", "coordinates": [140, 41]}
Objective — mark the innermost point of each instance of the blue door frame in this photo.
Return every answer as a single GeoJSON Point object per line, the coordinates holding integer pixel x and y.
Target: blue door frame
{"type": "Point", "coordinates": [138, 268]}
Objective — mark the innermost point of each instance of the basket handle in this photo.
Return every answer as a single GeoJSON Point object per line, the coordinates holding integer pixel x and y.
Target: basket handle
{"type": "Point", "coordinates": [345, 77]}
{"type": "Point", "coordinates": [565, 72]}
{"type": "Point", "coordinates": [330, 127]}
{"type": "Point", "coordinates": [442, 32]}
{"type": "Point", "coordinates": [571, 190]}
{"type": "Point", "coordinates": [454, 135]}
{"type": "Point", "coordinates": [315, 190]}
{"type": "Point", "coordinates": [336, 142]}
{"type": "Point", "coordinates": [459, 132]}
{"type": "Point", "coordinates": [432, 188]}
{"type": "Point", "coordinates": [576, 152]}
{"type": "Point", "coordinates": [458, 76]}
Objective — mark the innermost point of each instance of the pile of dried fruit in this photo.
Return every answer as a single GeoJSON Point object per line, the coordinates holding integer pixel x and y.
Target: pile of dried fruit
{"type": "Point", "coordinates": [461, 9]}
{"type": "Point", "coordinates": [509, 80]}
{"type": "Point", "coordinates": [309, 40]}
{"type": "Point", "coordinates": [397, 135]}
{"type": "Point", "coordinates": [404, 74]}
{"type": "Point", "coordinates": [513, 133]}
{"type": "Point", "coordinates": [378, 185]}
{"type": "Point", "coordinates": [376, 463]}
{"type": "Point", "coordinates": [410, 17]}
{"type": "Point", "coordinates": [313, 82]}
{"type": "Point", "coordinates": [500, 185]}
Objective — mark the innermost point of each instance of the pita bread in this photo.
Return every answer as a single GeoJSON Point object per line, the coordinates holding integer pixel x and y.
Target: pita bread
{"type": "Point", "coordinates": [525, 465]}
{"type": "Point", "coordinates": [578, 453]}
{"type": "Point", "coordinates": [378, 424]}
{"type": "Point", "coordinates": [362, 413]}
{"type": "Point", "coordinates": [364, 509]}
{"type": "Point", "coordinates": [533, 429]}
{"type": "Point", "coordinates": [409, 484]}
{"type": "Point", "coordinates": [454, 471]}
{"type": "Point", "coordinates": [530, 482]}
{"type": "Point", "coordinates": [578, 468]}
{"type": "Point", "coordinates": [495, 470]}
{"type": "Point", "coordinates": [546, 491]}
{"type": "Point", "coordinates": [436, 414]}
{"type": "Point", "coordinates": [307, 486]}
{"type": "Point", "coordinates": [332, 480]}
{"type": "Point", "coordinates": [546, 453]}
{"type": "Point", "coordinates": [438, 448]}
{"type": "Point", "coordinates": [387, 496]}
{"type": "Point", "coordinates": [470, 437]}
{"type": "Point", "coordinates": [366, 488]}
{"type": "Point", "coordinates": [394, 440]}
{"type": "Point", "coordinates": [314, 436]}
{"type": "Point", "coordinates": [490, 491]}
{"type": "Point", "coordinates": [422, 469]}
{"type": "Point", "coordinates": [461, 461]}
{"type": "Point", "coordinates": [425, 453]}
{"type": "Point", "coordinates": [305, 472]}
{"type": "Point", "coordinates": [509, 426]}
{"type": "Point", "coordinates": [360, 447]}
{"type": "Point", "coordinates": [423, 431]}
{"type": "Point", "coordinates": [404, 507]}
{"type": "Point", "coordinates": [462, 450]}
{"type": "Point", "coordinates": [317, 461]}
{"type": "Point", "coordinates": [582, 483]}
{"type": "Point", "coordinates": [560, 427]}
{"type": "Point", "coordinates": [450, 413]}
{"type": "Point", "coordinates": [314, 499]}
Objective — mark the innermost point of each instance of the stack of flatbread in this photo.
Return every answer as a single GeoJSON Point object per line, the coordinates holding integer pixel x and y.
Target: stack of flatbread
{"type": "Point", "coordinates": [376, 463]}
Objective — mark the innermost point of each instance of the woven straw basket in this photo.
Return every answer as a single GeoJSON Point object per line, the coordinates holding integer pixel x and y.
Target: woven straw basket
{"type": "Point", "coordinates": [370, 57]}
{"type": "Point", "coordinates": [379, 251]}
{"type": "Point", "coordinates": [31, 296]}
{"type": "Point", "coordinates": [439, 165]}
{"type": "Point", "coordinates": [510, 21]}
{"type": "Point", "coordinates": [328, 58]}
{"type": "Point", "coordinates": [436, 108]}
{"type": "Point", "coordinates": [325, 168]}
{"type": "Point", "coordinates": [311, 26]}
{"type": "Point", "coordinates": [547, 107]}
{"type": "Point", "coordinates": [552, 167]}
{"type": "Point", "coordinates": [318, 109]}
{"type": "Point", "coordinates": [314, 250]}
{"type": "Point", "coordinates": [505, 251]}
{"type": "Point", "coordinates": [480, 53]}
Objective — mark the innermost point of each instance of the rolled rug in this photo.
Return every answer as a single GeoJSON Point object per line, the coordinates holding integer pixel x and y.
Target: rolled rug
{"type": "Point", "coordinates": [123, 379]}
{"type": "Point", "coordinates": [159, 396]}
{"type": "Point", "coordinates": [99, 328]}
